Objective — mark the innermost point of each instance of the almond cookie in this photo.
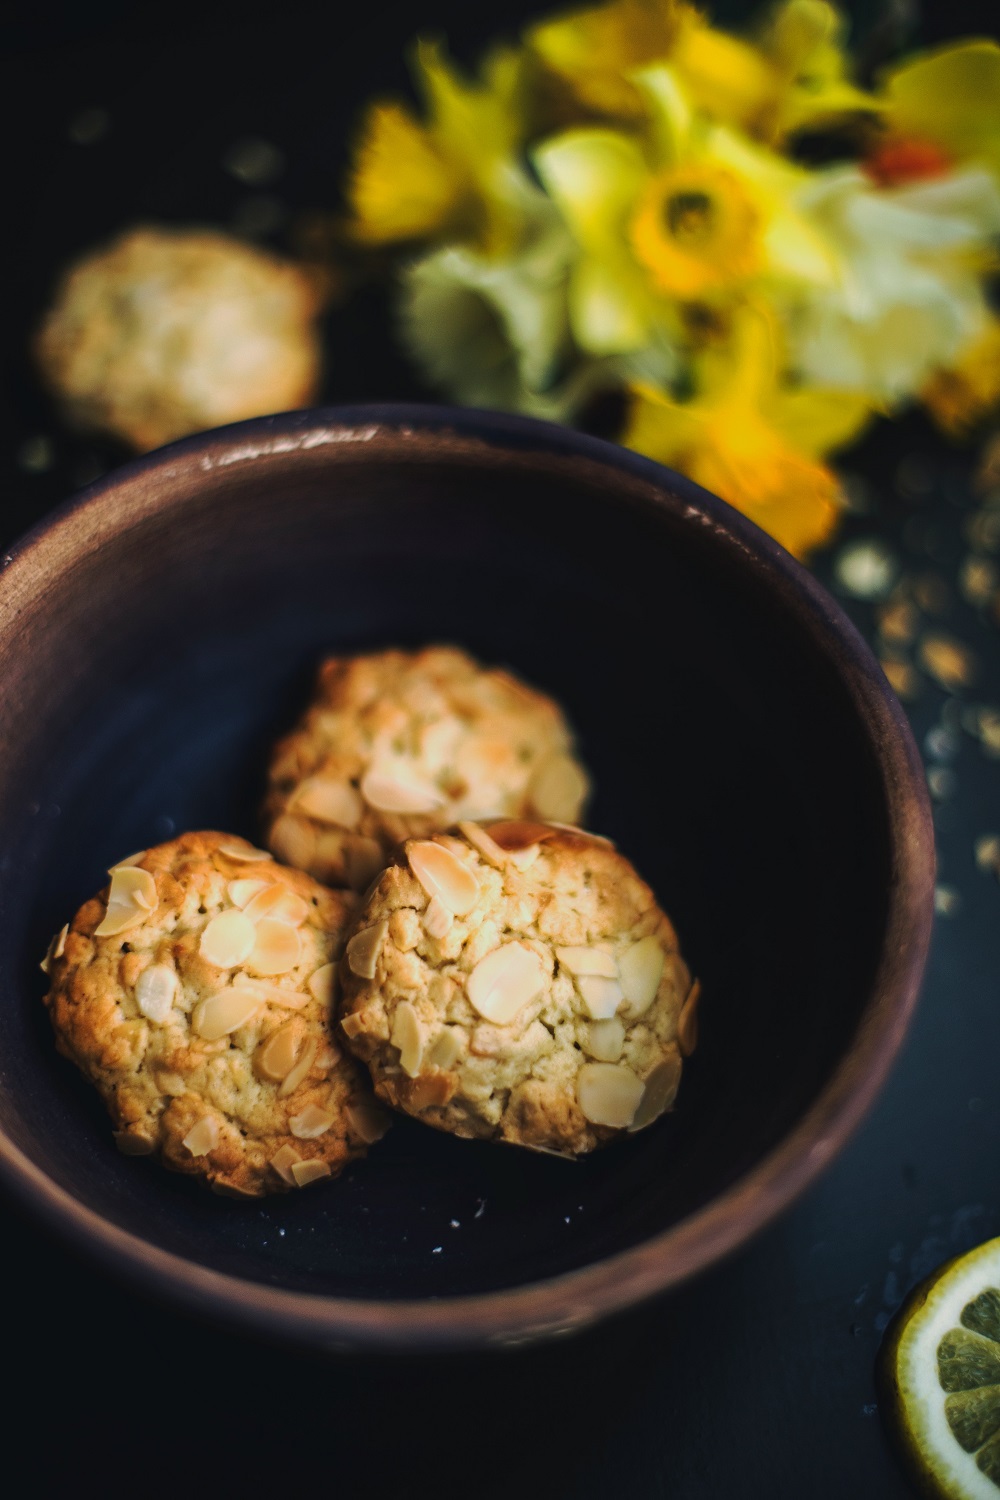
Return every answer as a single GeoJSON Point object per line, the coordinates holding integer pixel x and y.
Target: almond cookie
{"type": "Point", "coordinates": [196, 993]}
{"type": "Point", "coordinates": [400, 745]}
{"type": "Point", "coordinates": [518, 982]}
{"type": "Point", "coordinates": [167, 331]}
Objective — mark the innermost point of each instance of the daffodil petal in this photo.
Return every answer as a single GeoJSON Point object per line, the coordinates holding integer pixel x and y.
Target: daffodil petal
{"type": "Point", "coordinates": [402, 186]}
{"type": "Point", "coordinates": [951, 96]}
{"type": "Point", "coordinates": [819, 422]}
{"type": "Point", "coordinates": [593, 176]}
{"type": "Point", "coordinates": [606, 314]}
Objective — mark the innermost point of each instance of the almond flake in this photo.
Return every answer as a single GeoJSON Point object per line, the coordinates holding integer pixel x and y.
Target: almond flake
{"type": "Point", "coordinates": [155, 991]}
{"type": "Point", "coordinates": [601, 997]}
{"type": "Point", "coordinates": [660, 1092]}
{"type": "Point", "coordinates": [605, 1039]}
{"type": "Point", "coordinates": [277, 948]}
{"type": "Point", "coordinates": [228, 939]}
{"type": "Point", "coordinates": [169, 1082]}
{"type": "Point", "coordinates": [407, 1036]}
{"type": "Point", "coordinates": [131, 898]}
{"type": "Point", "coordinates": [398, 791]}
{"type": "Point", "coordinates": [518, 833]}
{"type": "Point", "coordinates": [558, 789]}
{"type": "Point", "coordinates": [243, 852]}
{"type": "Point", "coordinates": [279, 902]}
{"type": "Point", "coordinates": [333, 802]}
{"type": "Point", "coordinates": [504, 982]}
{"type": "Point", "coordinates": [57, 948]}
{"type": "Point", "coordinates": [437, 920]}
{"type": "Point", "coordinates": [203, 1136]}
{"type": "Point", "coordinates": [352, 1025]}
{"type": "Point", "coordinates": [310, 1122]}
{"type": "Point", "coordinates": [130, 859]}
{"type": "Point", "coordinates": [588, 961]}
{"type": "Point", "coordinates": [641, 969]}
{"type": "Point", "coordinates": [277, 994]}
{"type": "Point", "coordinates": [243, 890]}
{"type": "Point", "coordinates": [523, 859]}
{"type": "Point", "coordinates": [225, 1012]}
{"type": "Point", "coordinates": [305, 1172]}
{"type": "Point", "coordinates": [687, 1021]}
{"type": "Point", "coordinates": [305, 1062]}
{"type": "Point", "coordinates": [443, 875]}
{"type": "Point", "coordinates": [483, 844]}
{"type": "Point", "coordinates": [445, 1049]}
{"type": "Point", "coordinates": [283, 1161]}
{"type": "Point", "coordinates": [364, 948]}
{"type": "Point", "coordinates": [367, 1121]}
{"type": "Point", "coordinates": [320, 984]}
{"type": "Point", "coordinates": [293, 840]}
{"type": "Point", "coordinates": [275, 1058]}
{"type": "Point", "coordinates": [364, 860]}
{"type": "Point", "coordinates": [608, 1094]}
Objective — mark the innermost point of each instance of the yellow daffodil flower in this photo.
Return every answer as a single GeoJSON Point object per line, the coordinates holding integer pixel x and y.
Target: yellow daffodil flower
{"type": "Point", "coordinates": [458, 174]}
{"type": "Point", "coordinates": [793, 76]}
{"type": "Point", "coordinates": [752, 440]}
{"type": "Point", "coordinates": [908, 295]}
{"type": "Point", "coordinates": [689, 211]}
{"type": "Point", "coordinates": [969, 390]}
{"type": "Point", "coordinates": [949, 97]}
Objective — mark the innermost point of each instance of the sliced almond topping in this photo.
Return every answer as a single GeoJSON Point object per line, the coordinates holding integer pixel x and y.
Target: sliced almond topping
{"type": "Point", "coordinates": [130, 900]}
{"type": "Point", "coordinates": [442, 874]}
{"type": "Point", "coordinates": [275, 1058]}
{"type": "Point", "coordinates": [407, 1036]}
{"type": "Point", "coordinates": [283, 1161]}
{"type": "Point", "coordinates": [225, 1012]}
{"type": "Point", "coordinates": [353, 1024]}
{"type": "Point", "coordinates": [601, 997]}
{"type": "Point", "coordinates": [130, 859]}
{"type": "Point", "coordinates": [368, 1121]}
{"type": "Point", "coordinates": [687, 1021]}
{"type": "Point", "coordinates": [310, 1122]}
{"type": "Point", "coordinates": [660, 1092]}
{"type": "Point", "coordinates": [364, 859]}
{"type": "Point", "coordinates": [518, 833]}
{"type": "Point", "coordinates": [239, 851]}
{"type": "Point", "coordinates": [523, 859]}
{"type": "Point", "coordinates": [155, 992]}
{"type": "Point", "coordinates": [169, 1082]}
{"type": "Point", "coordinates": [605, 1039]}
{"type": "Point", "coordinates": [305, 1062]}
{"type": "Point", "coordinates": [588, 961]}
{"type": "Point", "coordinates": [293, 840]}
{"type": "Point", "coordinates": [57, 948]}
{"type": "Point", "coordinates": [608, 1094]}
{"type": "Point", "coordinates": [364, 948]}
{"type": "Point", "coordinates": [228, 939]}
{"type": "Point", "coordinates": [483, 844]}
{"type": "Point", "coordinates": [277, 994]}
{"type": "Point", "coordinates": [305, 1172]}
{"type": "Point", "coordinates": [333, 802]}
{"type": "Point", "coordinates": [437, 920]}
{"type": "Point", "coordinates": [279, 902]}
{"type": "Point", "coordinates": [559, 788]}
{"type": "Point", "coordinates": [321, 984]}
{"type": "Point", "coordinates": [445, 1049]}
{"type": "Point", "coordinates": [397, 790]}
{"type": "Point", "coordinates": [203, 1136]}
{"type": "Point", "coordinates": [243, 890]}
{"type": "Point", "coordinates": [277, 948]}
{"type": "Point", "coordinates": [641, 969]}
{"type": "Point", "coordinates": [505, 981]}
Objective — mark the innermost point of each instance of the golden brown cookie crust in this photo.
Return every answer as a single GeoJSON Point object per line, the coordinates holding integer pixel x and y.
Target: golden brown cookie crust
{"type": "Point", "coordinates": [398, 745]}
{"type": "Point", "coordinates": [196, 993]}
{"type": "Point", "coordinates": [518, 982]}
{"type": "Point", "coordinates": [167, 331]}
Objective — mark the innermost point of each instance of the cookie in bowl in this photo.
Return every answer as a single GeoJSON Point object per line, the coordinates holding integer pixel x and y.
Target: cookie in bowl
{"type": "Point", "coordinates": [404, 744]}
{"type": "Point", "coordinates": [517, 981]}
{"type": "Point", "coordinates": [196, 993]}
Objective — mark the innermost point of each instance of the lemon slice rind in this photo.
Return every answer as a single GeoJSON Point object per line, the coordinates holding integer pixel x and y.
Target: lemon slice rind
{"type": "Point", "coordinates": [910, 1387]}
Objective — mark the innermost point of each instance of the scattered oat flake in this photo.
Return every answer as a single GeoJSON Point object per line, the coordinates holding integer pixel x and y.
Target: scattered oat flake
{"type": "Point", "coordinates": [455, 1223]}
{"type": "Point", "coordinates": [437, 1249]}
{"type": "Point", "coordinates": [481, 1209]}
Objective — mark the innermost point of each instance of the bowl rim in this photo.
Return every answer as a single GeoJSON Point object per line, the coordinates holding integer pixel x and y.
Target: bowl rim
{"type": "Point", "coordinates": [522, 1314]}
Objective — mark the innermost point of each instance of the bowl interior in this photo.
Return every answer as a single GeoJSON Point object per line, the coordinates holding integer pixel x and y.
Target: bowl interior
{"type": "Point", "coordinates": [176, 638]}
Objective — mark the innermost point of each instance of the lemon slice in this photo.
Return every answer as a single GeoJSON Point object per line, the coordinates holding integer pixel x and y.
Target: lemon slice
{"type": "Point", "coordinates": [940, 1368]}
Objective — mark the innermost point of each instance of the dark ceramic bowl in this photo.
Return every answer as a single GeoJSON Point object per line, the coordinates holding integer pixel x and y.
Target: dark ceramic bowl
{"type": "Point", "coordinates": [158, 633]}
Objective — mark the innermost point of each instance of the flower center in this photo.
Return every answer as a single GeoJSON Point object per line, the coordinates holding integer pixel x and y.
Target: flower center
{"type": "Point", "coordinates": [690, 218]}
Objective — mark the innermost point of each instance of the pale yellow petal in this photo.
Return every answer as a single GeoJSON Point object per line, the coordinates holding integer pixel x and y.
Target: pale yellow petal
{"type": "Point", "coordinates": [608, 314]}
{"type": "Point", "coordinates": [594, 177]}
{"type": "Point", "coordinates": [951, 96]}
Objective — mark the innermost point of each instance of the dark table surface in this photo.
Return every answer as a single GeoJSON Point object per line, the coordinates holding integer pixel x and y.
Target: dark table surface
{"type": "Point", "coordinates": [757, 1380]}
